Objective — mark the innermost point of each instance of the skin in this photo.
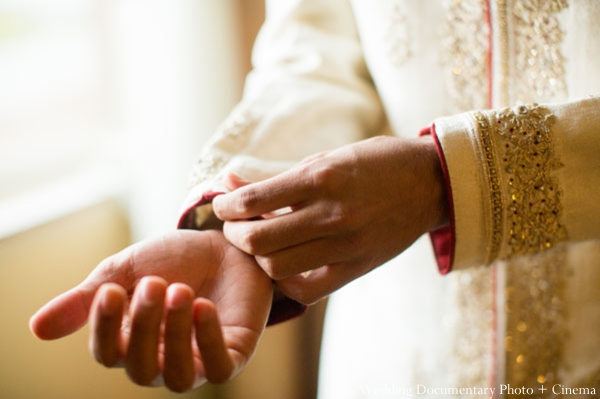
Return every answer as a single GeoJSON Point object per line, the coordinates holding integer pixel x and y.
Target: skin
{"type": "Point", "coordinates": [190, 307]}
{"type": "Point", "coordinates": [178, 310]}
{"type": "Point", "coordinates": [347, 211]}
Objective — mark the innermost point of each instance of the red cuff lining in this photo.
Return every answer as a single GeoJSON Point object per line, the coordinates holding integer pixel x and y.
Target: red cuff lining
{"type": "Point", "coordinates": [186, 219]}
{"type": "Point", "coordinates": [282, 308]}
{"type": "Point", "coordinates": [444, 238]}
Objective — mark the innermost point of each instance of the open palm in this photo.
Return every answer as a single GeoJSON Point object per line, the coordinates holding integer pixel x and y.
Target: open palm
{"type": "Point", "coordinates": [181, 309]}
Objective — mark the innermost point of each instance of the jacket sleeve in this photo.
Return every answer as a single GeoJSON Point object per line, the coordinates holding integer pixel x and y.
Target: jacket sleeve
{"type": "Point", "coordinates": [309, 91]}
{"type": "Point", "coordinates": [519, 180]}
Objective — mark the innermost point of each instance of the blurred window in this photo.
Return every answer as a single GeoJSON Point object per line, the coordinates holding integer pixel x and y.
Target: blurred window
{"type": "Point", "coordinates": [53, 89]}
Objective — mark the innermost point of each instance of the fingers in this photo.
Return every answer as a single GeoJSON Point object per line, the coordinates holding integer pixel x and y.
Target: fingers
{"type": "Point", "coordinates": [146, 312]}
{"type": "Point", "coordinates": [253, 200]}
{"type": "Point", "coordinates": [179, 372]}
{"type": "Point", "coordinates": [63, 315]}
{"type": "Point", "coordinates": [218, 364]}
{"type": "Point", "coordinates": [69, 311]}
{"type": "Point", "coordinates": [260, 237]}
{"type": "Point", "coordinates": [319, 283]}
{"type": "Point", "coordinates": [152, 304]}
{"type": "Point", "coordinates": [142, 354]}
{"type": "Point", "coordinates": [105, 324]}
{"type": "Point", "coordinates": [305, 257]}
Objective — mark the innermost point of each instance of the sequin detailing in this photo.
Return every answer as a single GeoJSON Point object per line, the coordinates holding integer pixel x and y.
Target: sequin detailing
{"type": "Point", "coordinates": [494, 189]}
{"type": "Point", "coordinates": [532, 56]}
{"type": "Point", "coordinates": [232, 135]}
{"type": "Point", "coordinates": [525, 204]}
{"type": "Point", "coordinates": [465, 54]}
{"type": "Point", "coordinates": [397, 36]}
{"type": "Point", "coordinates": [471, 347]}
{"type": "Point", "coordinates": [539, 63]}
{"type": "Point", "coordinates": [534, 205]}
{"type": "Point", "coordinates": [527, 160]}
{"type": "Point", "coordinates": [536, 318]}
{"type": "Point", "coordinates": [207, 166]}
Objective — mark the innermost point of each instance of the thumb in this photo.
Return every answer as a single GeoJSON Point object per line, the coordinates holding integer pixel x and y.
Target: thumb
{"type": "Point", "coordinates": [63, 315]}
{"type": "Point", "coordinates": [69, 311]}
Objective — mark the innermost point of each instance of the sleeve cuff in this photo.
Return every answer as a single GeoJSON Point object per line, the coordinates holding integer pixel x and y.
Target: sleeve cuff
{"type": "Point", "coordinates": [458, 143]}
{"type": "Point", "coordinates": [283, 308]}
{"type": "Point", "coordinates": [444, 238]}
{"type": "Point", "coordinates": [187, 220]}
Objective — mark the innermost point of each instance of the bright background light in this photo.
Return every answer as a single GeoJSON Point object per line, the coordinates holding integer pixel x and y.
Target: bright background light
{"type": "Point", "coordinates": [111, 98]}
{"type": "Point", "coordinates": [104, 106]}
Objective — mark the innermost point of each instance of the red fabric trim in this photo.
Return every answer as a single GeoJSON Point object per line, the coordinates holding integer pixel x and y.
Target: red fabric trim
{"type": "Point", "coordinates": [444, 238]}
{"type": "Point", "coordinates": [488, 20]}
{"type": "Point", "coordinates": [492, 377]}
{"type": "Point", "coordinates": [186, 219]}
{"type": "Point", "coordinates": [282, 308]}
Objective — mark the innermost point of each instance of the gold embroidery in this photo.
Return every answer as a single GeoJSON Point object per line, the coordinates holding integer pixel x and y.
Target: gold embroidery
{"type": "Point", "coordinates": [533, 206]}
{"type": "Point", "coordinates": [472, 343]}
{"type": "Point", "coordinates": [465, 57]}
{"type": "Point", "coordinates": [232, 135]}
{"type": "Point", "coordinates": [397, 36]}
{"type": "Point", "coordinates": [539, 63]}
{"type": "Point", "coordinates": [535, 284]}
{"type": "Point", "coordinates": [206, 167]}
{"type": "Point", "coordinates": [536, 321]}
{"type": "Point", "coordinates": [519, 161]}
{"type": "Point", "coordinates": [495, 193]}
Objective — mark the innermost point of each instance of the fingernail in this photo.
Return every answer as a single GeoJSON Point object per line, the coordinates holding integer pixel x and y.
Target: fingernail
{"type": "Point", "coordinates": [150, 295]}
{"type": "Point", "coordinates": [109, 305]}
{"type": "Point", "coordinates": [179, 298]}
{"type": "Point", "coordinates": [202, 314]}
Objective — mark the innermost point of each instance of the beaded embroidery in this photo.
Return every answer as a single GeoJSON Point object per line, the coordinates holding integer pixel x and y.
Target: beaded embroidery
{"type": "Point", "coordinates": [536, 318]}
{"type": "Point", "coordinates": [397, 36]}
{"type": "Point", "coordinates": [534, 204]}
{"type": "Point", "coordinates": [465, 54]}
{"type": "Point", "coordinates": [531, 208]}
{"type": "Point", "coordinates": [495, 193]}
{"type": "Point", "coordinates": [206, 167]}
{"type": "Point", "coordinates": [465, 59]}
{"type": "Point", "coordinates": [234, 134]}
{"type": "Point", "coordinates": [539, 62]}
{"type": "Point", "coordinates": [471, 344]}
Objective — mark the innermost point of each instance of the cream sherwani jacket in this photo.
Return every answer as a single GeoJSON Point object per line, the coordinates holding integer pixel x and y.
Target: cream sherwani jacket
{"type": "Point", "coordinates": [516, 302]}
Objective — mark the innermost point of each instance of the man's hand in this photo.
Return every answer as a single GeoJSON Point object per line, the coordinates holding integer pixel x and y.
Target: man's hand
{"type": "Point", "coordinates": [349, 211]}
{"type": "Point", "coordinates": [178, 310]}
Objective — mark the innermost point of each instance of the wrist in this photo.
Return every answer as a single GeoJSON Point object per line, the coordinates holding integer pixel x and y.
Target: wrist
{"type": "Point", "coordinates": [212, 222]}
{"type": "Point", "coordinates": [437, 199]}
